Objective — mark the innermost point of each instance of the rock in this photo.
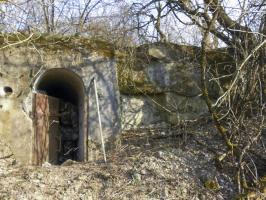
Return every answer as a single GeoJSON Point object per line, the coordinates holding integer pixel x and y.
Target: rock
{"type": "Point", "coordinates": [136, 176]}
{"type": "Point", "coordinates": [202, 197]}
{"type": "Point", "coordinates": [46, 164]}
{"type": "Point", "coordinates": [184, 191]}
{"type": "Point", "coordinates": [39, 176]}
{"type": "Point", "coordinates": [83, 177]}
{"type": "Point", "coordinates": [165, 192]}
{"type": "Point", "coordinates": [69, 162]}
{"type": "Point", "coordinates": [143, 172]}
{"type": "Point", "coordinates": [156, 53]}
{"type": "Point", "coordinates": [14, 162]}
{"type": "Point", "coordinates": [161, 155]}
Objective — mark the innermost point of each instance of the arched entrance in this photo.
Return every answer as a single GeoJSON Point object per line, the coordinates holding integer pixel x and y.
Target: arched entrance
{"type": "Point", "coordinates": [59, 107]}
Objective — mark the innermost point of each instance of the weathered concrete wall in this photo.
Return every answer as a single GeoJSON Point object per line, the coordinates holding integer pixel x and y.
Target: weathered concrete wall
{"type": "Point", "coordinates": [15, 124]}
{"type": "Point", "coordinates": [141, 111]}
{"type": "Point", "coordinates": [20, 66]}
{"type": "Point", "coordinates": [162, 83]}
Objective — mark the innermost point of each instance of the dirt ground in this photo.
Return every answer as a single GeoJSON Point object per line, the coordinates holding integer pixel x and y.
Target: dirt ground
{"type": "Point", "coordinates": [168, 163]}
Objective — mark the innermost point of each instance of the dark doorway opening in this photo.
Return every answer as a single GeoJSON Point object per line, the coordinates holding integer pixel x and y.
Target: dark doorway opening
{"type": "Point", "coordinates": [60, 123]}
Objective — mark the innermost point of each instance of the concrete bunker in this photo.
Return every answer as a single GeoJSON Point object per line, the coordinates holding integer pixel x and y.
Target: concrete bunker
{"type": "Point", "coordinates": [59, 110]}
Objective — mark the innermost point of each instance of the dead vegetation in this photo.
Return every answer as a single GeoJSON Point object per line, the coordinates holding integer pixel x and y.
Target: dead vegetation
{"type": "Point", "coordinates": [157, 163]}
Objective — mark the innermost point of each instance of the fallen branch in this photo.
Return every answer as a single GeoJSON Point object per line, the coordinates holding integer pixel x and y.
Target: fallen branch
{"type": "Point", "coordinates": [8, 156]}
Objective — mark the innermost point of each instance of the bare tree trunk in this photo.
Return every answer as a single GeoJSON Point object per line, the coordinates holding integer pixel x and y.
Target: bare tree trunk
{"type": "Point", "coordinates": [158, 23]}
{"type": "Point", "coordinates": [52, 15]}
{"type": "Point", "coordinates": [46, 16]}
{"type": "Point", "coordinates": [262, 58]}
{"type": "Point", "coordinates": [203, 64]}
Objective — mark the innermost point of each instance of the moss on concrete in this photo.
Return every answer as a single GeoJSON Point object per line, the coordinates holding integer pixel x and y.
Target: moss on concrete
{"type": "Point", "coordinates": [131, 66]}
{"type": "Point", "coordinates": [172, 50]}
{"type": "Point", "coordinates": [131, 61]}
{"type": "Point", "coordinates": [58, 43]}
{"type": "Point", "coordinates": [130, 80]}
{"type": "Point", "coordinates": [135, 83]}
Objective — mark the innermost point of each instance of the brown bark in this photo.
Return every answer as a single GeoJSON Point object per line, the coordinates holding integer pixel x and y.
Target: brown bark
{"type": "Point", "coordinates": [203, 64]}
{"type": "Point", "coordinates": [46, 16]}
{"type": "Point", "coordinates": [243, 33]}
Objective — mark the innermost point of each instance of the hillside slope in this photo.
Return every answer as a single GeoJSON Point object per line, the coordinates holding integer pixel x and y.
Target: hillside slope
{"type": "Point", "coordinates": [165, 163]}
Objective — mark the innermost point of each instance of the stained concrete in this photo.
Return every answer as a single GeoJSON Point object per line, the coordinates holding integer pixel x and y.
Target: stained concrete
{"type": "Point", "coordinates": [160, 84]}
{"type": "Point", "coordinates": [20, 68]}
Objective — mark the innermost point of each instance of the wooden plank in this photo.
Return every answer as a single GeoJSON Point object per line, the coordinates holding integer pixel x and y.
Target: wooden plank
{"type": "Point", "coordinates": [41, 126]}
{"type": "Point", "coordinates": [46, 139]}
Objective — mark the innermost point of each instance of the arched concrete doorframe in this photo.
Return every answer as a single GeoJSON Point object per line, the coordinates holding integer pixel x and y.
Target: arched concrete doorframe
{"type": "Point", "coordinates": [50, 88]}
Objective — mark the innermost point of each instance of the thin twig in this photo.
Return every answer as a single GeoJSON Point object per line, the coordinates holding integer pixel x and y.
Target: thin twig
{"type": "Point", "coordinates": [219, 100]}
{"type": "Point", "coordinates": [19, 42]}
